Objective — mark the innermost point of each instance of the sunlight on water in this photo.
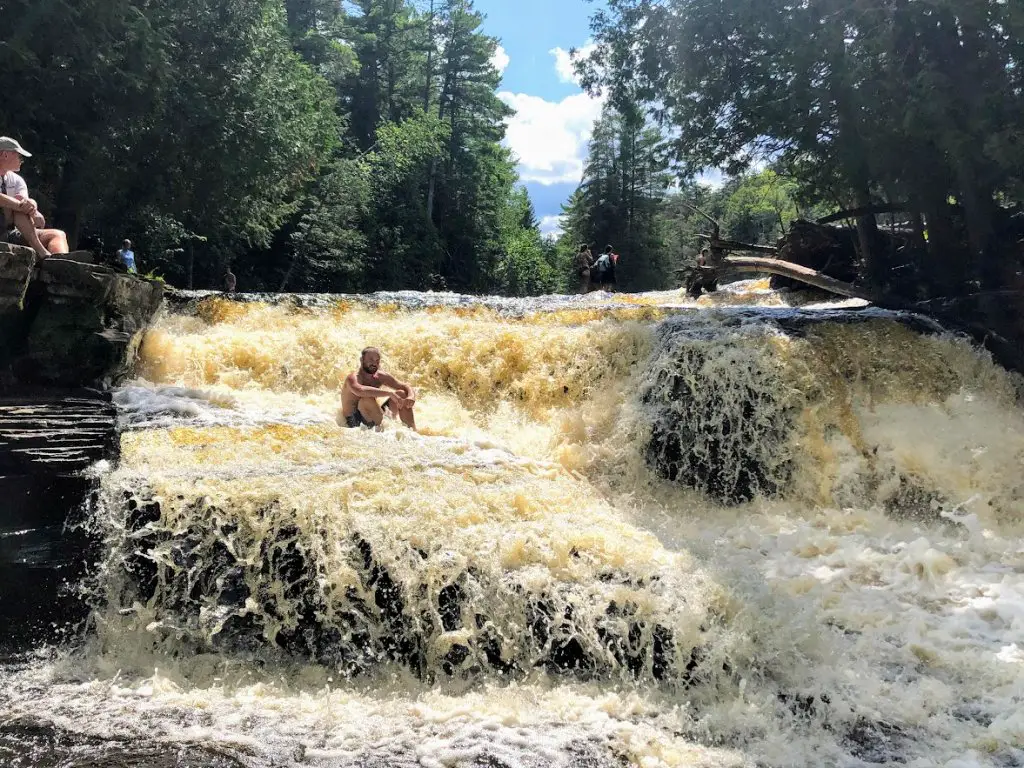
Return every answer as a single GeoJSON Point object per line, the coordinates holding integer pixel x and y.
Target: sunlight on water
{"type": "Point", "coordinates": [632, 530]}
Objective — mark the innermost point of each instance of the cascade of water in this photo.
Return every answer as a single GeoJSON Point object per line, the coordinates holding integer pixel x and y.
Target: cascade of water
{"type": "Point", "coordinates": [630, 531]}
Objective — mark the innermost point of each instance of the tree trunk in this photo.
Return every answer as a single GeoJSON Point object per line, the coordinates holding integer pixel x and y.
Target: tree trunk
{"type": "Point", "coordinates": [430, 58]}
{"type": "Point", "coordinates": [68, 205]}
{"type": "Point", "coordinates": [803, 274]}
{"type": "Point", "coordinates": [288, 274]}
{"type": "Point", "coordinates": [852, 154]}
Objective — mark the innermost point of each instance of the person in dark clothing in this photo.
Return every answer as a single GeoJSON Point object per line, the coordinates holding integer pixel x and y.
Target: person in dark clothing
{"type": "Point", "coordinates": [603, 271]}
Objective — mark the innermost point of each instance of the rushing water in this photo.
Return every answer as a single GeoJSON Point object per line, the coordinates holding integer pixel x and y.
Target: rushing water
{"type": "Point", "coordinates": [631, 531]}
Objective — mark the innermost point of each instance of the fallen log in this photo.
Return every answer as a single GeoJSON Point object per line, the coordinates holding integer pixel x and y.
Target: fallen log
{"type": "Point", "coordinates": [797, 272]}
{"type": "Point", "coordinates": [993, 318]}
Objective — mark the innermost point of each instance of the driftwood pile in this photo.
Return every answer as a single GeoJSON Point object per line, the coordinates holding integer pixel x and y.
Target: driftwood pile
{"type": "Point", "coordinates": [825, 257]}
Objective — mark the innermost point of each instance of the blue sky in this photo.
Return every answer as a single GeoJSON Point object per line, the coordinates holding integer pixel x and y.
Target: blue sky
{"type": "Point", "coordinates": [550, 131]}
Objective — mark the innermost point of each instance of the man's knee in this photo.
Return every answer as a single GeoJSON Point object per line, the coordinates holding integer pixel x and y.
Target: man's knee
{"type": "Point", "coordinates": [54, 238]}
{"type": "Point", "coordinates": [371, 411]}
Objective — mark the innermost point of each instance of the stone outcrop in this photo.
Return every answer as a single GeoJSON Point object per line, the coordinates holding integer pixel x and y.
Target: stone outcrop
{"type": "Point", "coordinates": [65, 322]}
{"type": "Point", "coordinates": [68, 329]}
{"type": "Point", "coordinates": [47, 439]}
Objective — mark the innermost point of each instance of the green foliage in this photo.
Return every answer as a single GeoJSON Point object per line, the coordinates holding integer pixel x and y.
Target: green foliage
{"type": "Point", "coordinates": [329, 250]}
{"type": "Point", "coordinates": [911, 102]}
{"type": "Point", "coordinates": [315, 145]}
{"type": "Point", "coordinates": [162, 120]}
{"type": "Point", "coordinates": [620, 199]}
{"type": "Point", "coordinates": [759, 208]}
{"type": "Point", "coordinates": [527, 265]}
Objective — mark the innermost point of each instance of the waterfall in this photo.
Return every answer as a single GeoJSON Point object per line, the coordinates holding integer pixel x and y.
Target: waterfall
{"type": "Point", "coordinates": [631, 530]}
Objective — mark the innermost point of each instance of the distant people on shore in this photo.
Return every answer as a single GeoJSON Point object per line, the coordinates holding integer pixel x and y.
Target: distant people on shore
{"type": "Point", "coordinates": [126, 256]}
{"type": "Point", "coordinates": [230, 281]}
{"type": "Point", "coordinates": [583, 262]}
{"type": "Point", "coordinates": [23, 223]}
{"type": "Point", "coordinates": [359, 394]}
{"type": "Point", "coordinates": [602, 274]}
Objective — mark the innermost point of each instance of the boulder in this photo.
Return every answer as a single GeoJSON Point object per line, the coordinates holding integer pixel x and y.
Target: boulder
{"type": "Point", "coordinates": [16, 268]}
{"type": "Point", "coordinates": [68, 322]}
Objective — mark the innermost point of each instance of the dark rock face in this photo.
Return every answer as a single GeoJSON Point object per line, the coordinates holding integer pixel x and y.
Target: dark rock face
{"type": "Point", "coordinates": [63, 323]}
{"type": "Point", "coordinates": [16, 268]}
{"type": "Point", "coordinates": [68, 323]}
{"type": "Point", "coordinates": [46, 440]}
{"type": "Point", "coordinates": [30, 744]}
{"type": "Point", "coordinates": [717, 427]}
{"type": "Point", "coordinates": [720, 421]}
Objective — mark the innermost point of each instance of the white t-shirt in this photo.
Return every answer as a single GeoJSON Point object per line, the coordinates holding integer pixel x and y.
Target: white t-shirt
{"type": "Point", "coordinates": [16, 187]}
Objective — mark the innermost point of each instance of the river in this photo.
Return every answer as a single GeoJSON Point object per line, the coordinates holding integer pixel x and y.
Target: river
{"type": "Point", "coordinates": [632, 531]}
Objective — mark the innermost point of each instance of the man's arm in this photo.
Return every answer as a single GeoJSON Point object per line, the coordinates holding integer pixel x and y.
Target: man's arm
{"type": "Point", "coordinates": [15, 205]}
{"type": "Point", "coordinates": [362, 391]}
{"type": "Point", "coordinates": [17, 200]}
{"type": "Point", "coordinates": [406, 391]}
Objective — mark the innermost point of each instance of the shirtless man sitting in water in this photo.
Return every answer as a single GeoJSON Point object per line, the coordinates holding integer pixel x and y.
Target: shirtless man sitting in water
{"type": "Point", "coordinates": [361, 389]}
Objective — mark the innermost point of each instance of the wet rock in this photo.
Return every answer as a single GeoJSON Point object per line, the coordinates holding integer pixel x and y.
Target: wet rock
{"type": "Point", "coordinates": [450, 607]}
{"type": "Point", "coordinates": [47, 439]}
{"type": "Point", "coordinates": [877, 742]}
{"type": "Point", "coordinates": [31, 744]}
{"type": "Point", "coordinates": [68, 323]}
{"type": "Point", "coordinates": [805, 706]}
{"type": "Point", "coordinates": [209, 593]}
{"type": "Point", "coordinates": [663, 653]}
{"type": "Point", "coordinates": [912, 501]}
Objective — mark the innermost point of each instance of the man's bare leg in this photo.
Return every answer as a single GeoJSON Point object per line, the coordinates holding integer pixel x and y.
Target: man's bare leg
{"type": "Point", "coordinates": [54, 240]}
{"type": "Point", "coordinates": [408, 418]}
{"type": "Point", "coordinates": [371, 412]}
{"type": "Point", "coordinates": [29, 232]}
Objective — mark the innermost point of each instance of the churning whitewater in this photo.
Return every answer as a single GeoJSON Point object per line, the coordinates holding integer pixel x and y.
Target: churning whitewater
{"type": "Point", "coordinates": [632, 531]}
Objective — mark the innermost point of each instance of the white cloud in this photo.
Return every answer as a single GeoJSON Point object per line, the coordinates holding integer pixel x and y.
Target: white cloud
{"type": "Point", "coordinates": [564, 63]}
{"type": "Point", "coordinates": [500, 59]}
{"type": "Point", "coordinates": [712, 177]}
{"type": "Point", "coordinates": [550, 138]}
{"type": "Point", "coordinates": [551, 226]}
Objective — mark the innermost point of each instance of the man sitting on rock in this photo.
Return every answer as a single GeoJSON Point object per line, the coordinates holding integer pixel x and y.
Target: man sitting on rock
{"type": "Point", "coordinates": [23, 224]}
{"type": "Point", "coordinates": [361, 389]}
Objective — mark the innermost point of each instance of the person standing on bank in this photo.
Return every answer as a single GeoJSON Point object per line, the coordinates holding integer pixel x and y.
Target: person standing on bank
{"type": "Point", "coordinates": [230, 281]}
{"type": "Point", "coordinates": [361, 389]}
{"type": "Point", "coordinates": [584, 261]}
{"type": "Point", "coordinates": [23, 224]}
{"type": "Point", "coordinates": [127, 257]}
{"type": "Point", "coordinates": [603, 272]}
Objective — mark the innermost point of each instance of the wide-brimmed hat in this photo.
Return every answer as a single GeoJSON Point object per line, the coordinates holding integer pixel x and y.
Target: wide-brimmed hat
{"type": "Point", "coordinates": [7, 144]}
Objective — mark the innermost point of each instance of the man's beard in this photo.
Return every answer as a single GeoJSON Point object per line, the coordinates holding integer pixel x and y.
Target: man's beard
{"type": "Point", "coordinates": [370, 371]}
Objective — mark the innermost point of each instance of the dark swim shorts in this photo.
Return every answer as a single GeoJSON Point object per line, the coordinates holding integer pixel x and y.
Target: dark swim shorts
{"type": "Point", "coordinates": [357, 419]}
